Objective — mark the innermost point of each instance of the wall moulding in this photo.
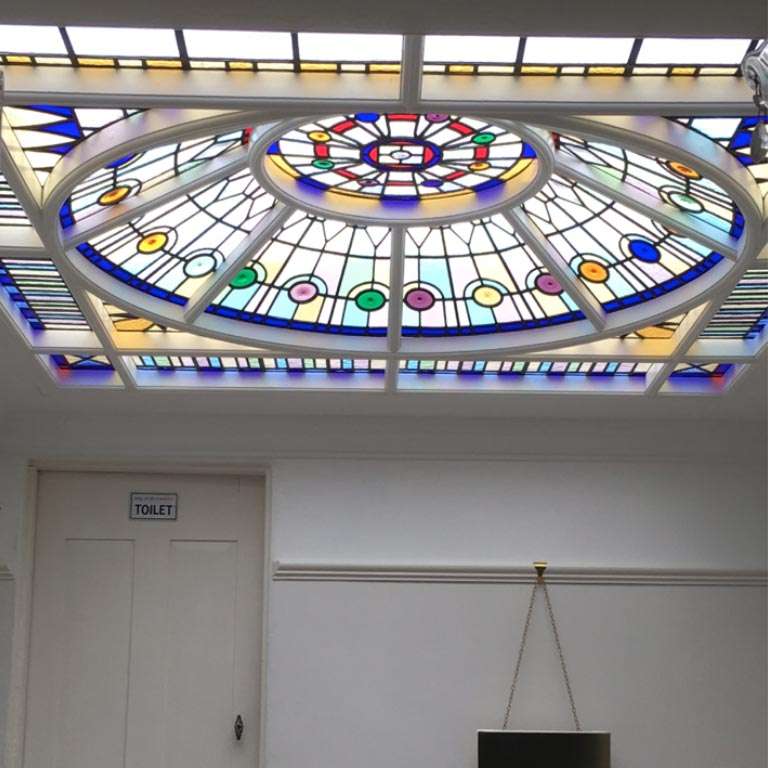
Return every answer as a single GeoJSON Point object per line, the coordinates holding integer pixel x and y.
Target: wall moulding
{"type": "Point", "coordinates": [516, 574]}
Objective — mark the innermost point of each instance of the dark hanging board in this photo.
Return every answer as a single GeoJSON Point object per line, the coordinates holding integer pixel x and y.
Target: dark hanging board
{"type": "Point", "coordinates": [543, 749]}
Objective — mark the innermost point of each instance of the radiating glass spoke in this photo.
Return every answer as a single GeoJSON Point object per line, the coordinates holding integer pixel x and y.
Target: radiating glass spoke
{"type": "Point", "coordinates": [240, 256]}
{"type": "Point", "coordinates": [678, 221]}
{"type": "Point", "coordinates": [535, 240]}
{"type": "Point", "coordinates": [114, 215]}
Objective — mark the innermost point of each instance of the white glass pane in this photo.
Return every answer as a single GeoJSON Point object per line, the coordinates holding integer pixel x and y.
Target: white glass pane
{"type": "Point", "coordinates": [663, 50]}
{"type": "Point", "coordinates": [17, 38]}
{"type": "Point", "coordinates": [470, 48]}
{"type": "Point", "coordinates": [577, 50]}
{"type": "Point", "coordinates": [123, 41]}
{"type": "Point", "coordinates": [226, 44]}
{"type": "Point", "coordinates": [330, 47]}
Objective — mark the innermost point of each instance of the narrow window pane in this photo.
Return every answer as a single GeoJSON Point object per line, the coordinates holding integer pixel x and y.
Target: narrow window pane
{"type": "Point", "coordinates": [472, 49]}
{"type": "Point", "coordinates": [17, 38]}
{"type": "Point", "coordinates": [663, 50]}
{"type": "Point", "coordinates": [331, 47]}
{"type": "Point", "coordinates": [226, 44]}
{"type": "Point", "coordinates": [577, 50]}
{"type": "Point", "coordinates": [123, 41]}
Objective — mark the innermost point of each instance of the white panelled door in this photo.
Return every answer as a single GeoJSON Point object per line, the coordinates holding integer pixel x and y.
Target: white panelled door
{"type": "Point", "coordinates": [146, 634]}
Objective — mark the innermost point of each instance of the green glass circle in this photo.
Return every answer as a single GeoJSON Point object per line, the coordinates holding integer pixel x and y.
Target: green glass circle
{"type": "Point", "coordinates": [323, 164]}
{"type": "Point", "coordinates": [685, 202]}
{"type": "Point", "coordinates": [484, 138]}
{"type": "Point", "coordinates": [244, 278]}
{"type": "Point", "coordinates": [370, 300]}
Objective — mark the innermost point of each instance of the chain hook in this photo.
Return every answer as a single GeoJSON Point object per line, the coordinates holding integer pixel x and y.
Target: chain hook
{"type": "Point", "coordinates": [540, 567]}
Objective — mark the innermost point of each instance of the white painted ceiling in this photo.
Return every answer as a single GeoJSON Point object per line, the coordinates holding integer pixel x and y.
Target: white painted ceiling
{"type": "Point", "coordinates": [682, 18]}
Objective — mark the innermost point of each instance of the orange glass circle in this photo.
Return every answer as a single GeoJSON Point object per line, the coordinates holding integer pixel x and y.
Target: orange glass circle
{"type": "Point", "coordinates": [683, 170]}
{"type": "Point", "coordinates": [593, 271]}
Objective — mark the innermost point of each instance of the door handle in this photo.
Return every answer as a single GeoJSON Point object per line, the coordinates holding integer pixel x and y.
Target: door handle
{"type": "Point", "coordinates": [239, 727]}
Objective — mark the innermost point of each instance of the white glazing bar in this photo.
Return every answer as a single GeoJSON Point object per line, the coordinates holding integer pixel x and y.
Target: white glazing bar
{"type": "Point", "coordinates": [647, 205]}
{"type": "Point", "coordinates": [197, 178]}
{"type": "Point", "coordinates": [411, 70]}
{"type": "Point", "coordinates": [395, 317]}
{"type": "Point", "coordinates": [253, 243]}
{"type": "Point", "coordinates": [553, 261]}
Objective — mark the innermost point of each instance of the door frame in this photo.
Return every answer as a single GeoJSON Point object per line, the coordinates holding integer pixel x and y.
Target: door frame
{"type": "Point", "coordinates": [16, 712]}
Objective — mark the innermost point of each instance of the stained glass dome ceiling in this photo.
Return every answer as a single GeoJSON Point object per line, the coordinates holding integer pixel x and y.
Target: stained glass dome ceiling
{"type": "Point", "coordinates": [385, 245]}
{"type": "Point", "coordinates": [505, 235]}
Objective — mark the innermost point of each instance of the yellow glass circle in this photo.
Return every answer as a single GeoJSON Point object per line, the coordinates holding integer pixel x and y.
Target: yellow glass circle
{"type": "Point", "coordinates": [113, 196]}
{"type": "Point", "coordinates": [487, 296]}
{"type": "Point", "coordinates": [319, 136]}
{"type": "Point", "coordinates": [152, 242]}
{"type": "Point", "coordinates": [479, 166]}
{"type": "Point", "coordinates": [593, 271]}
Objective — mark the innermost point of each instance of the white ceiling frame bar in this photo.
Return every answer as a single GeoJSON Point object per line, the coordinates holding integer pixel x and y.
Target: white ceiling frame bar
{"type": "Point", "coordinates": [61, 341]}
{"type": "Point", "coordinates": [291, 92]}
{"type": "Point", "coordinates": [727, 350]}
{"type": "Point", "coordinates": [20, 243]}
{"type": "Point", "coordinates": [503, 96]}
{"type": "Point", "coordinates": [108, 218]}
{"type": "Point", "coordinates": [19, 173]}
{"type": "Point", "coordinates": [695, 322]}
{"type": "Point", "coordinates": [240, 256]}
{"type": "Point", "coordinates": [554, 262]}
{"type": "Point", "coordinates": [645, 204]}
{"type": "Point", "coordinates": [411, 70]}
{"type": "Point", "coordinates": [15, 173]}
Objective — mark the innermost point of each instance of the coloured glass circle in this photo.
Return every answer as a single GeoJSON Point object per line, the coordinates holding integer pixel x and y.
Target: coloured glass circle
{"type": "Point", "coordinates": [413, 166]}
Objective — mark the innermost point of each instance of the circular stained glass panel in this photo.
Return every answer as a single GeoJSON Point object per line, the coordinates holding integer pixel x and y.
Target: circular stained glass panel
{"type": "Point", "coordinates": [408, 166]}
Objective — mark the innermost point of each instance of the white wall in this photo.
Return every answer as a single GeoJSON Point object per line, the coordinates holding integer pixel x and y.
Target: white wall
{"type": "Point", "coordinates": [403, 674]}
{"type": "Point", "coordinates": [389, 674]}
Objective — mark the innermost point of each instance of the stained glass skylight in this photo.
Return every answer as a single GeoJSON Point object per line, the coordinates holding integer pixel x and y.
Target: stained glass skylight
{"type": "Point", "coordinates": [396, 245]}
{"type": "Point", "coordinates": [397, 165]}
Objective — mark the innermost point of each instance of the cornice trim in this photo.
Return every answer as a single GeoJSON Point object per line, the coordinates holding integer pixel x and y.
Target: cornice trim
{"type": "Point", "coordinates": [503, 574]}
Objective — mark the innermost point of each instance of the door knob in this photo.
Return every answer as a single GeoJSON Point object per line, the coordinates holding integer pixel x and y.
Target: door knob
{"type": "Point", "coordinates": [239, 727]}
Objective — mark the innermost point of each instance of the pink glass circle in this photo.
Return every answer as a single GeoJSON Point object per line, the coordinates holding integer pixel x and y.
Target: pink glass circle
{"type": "Point", "coordinates": [549, 285]}
{"type": "Point", "coordinates": [419, 299]}
{"type": "Point", "coordinates": [303, 292]}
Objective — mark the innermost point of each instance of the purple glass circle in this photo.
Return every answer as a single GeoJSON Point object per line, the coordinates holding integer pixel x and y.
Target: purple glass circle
{"type": "Point", "coordinates": [419, 299]}
{"type": "Point", "coordinates": [303, 292]}
{"type": "Point", "coordinates": [436, 117]}
{"type": "Point", "coordinates": [549, 285]}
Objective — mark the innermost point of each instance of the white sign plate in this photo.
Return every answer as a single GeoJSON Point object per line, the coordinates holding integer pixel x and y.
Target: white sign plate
{"type": "Point", "coordinates": [154, 506]}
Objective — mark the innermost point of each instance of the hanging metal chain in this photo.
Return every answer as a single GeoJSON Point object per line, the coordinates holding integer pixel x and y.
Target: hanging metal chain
{"type": "Point", "coordinates": [523, 641]}
{"type": "Point", "coordinates": [561, 655]}
{"type": "Point", "coordinates": [540, 567]}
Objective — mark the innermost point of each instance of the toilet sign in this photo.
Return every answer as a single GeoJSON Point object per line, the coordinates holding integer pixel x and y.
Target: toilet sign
{"type": "Point", "coordinates": [154, 506]}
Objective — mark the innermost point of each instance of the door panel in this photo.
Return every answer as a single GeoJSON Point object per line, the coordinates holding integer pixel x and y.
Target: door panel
{"type": "Point", "coordinates": [96, 653]}
{"type": "Point", "coordinates": [201, 641]}
{"type": "Point", "coordinates": [146, 634]}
